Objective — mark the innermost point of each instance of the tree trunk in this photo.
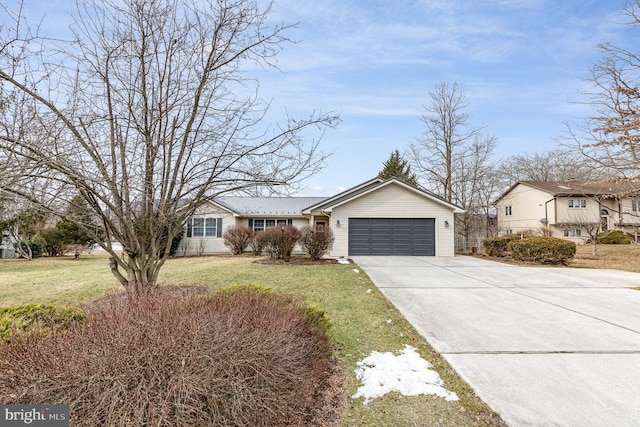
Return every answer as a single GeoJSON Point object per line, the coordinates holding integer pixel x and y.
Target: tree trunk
{"type": "Point", "coordinates": [138, 274]}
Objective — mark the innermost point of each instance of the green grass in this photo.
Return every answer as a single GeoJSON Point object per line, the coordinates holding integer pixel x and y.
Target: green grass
{"type": "Point", "coordinates": [363, 321]}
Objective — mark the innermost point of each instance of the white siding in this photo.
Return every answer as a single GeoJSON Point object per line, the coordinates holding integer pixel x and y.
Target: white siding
{"type": "Point", "coordinates": [528, 206]}
{"type": "Point", "coordinates": [215, 245]}
{"type": "Point", "coordinates": [207, 245]}
{"type": "Point", "coordinates": [393, 201]}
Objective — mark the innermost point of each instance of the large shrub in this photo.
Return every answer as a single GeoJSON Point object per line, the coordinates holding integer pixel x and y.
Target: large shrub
{"type": "Point", "coordinates": [258, 243]}
{"type": "Point", "coordinates": [241, 357]}
{"type": "Point", "coordinates": [280, 241]}
{"type": "Point", "coordinates": [17, 320]}
{"type": "Point", "coordinates": [498, 246]}
{"type": "Point", "coordinates": [316, 241]}
{"type": "Point", "coordinates": [238, 238]}
{"type": "Point", "coordinates": [614, 237]}
{"type": "Point", "coordinates": [543, 250]}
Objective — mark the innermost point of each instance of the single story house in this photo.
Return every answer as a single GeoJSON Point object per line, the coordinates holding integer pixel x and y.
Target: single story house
{"type": "Point", "coordinates": [377, 217]}
{"type": "Point", "coordinates": [569, 209]}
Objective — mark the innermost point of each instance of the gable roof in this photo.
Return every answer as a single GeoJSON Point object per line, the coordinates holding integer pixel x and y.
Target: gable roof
{"type": "Point", "coordinates": [579, 188]}
{"type": "Point", "coordinates": [300, 206]}
{"type": "Point", "coordinates": [372, 185]}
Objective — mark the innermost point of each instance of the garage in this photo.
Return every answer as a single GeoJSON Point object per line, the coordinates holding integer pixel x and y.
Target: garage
{"type": "Point", "coordinates": [392, 236]}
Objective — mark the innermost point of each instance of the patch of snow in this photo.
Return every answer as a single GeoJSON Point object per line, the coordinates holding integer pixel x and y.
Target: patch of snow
{"type": "Point", "coordinates": [369, 291]}
{"type": "Point", "coordinates": [343, 261]}
{"type": "Point", "coordinates": [407, 374]}
{"type": "Point", "coordinates": [355, 270]}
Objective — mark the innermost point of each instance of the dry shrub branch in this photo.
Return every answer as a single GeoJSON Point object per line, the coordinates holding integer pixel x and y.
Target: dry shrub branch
{"type": "Point", "coordinates": [243, 356]}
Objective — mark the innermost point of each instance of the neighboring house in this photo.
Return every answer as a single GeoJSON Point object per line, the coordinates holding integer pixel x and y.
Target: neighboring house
{"type": "Point", "coordinates": [570, 210]}
{"type": "Point", "coordinates": [7, 250]}
{"type": "Point", "coordinates": [377, 217]}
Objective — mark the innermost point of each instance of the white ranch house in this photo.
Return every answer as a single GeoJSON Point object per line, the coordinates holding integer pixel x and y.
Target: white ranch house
{"type": "Point", "coordinates": [377, 217]}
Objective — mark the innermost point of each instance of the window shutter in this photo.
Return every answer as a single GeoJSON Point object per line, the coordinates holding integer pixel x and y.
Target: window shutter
{"type": "Point", "coordinates": [251, 223]}
{"type": "Point", "coordinates": [219, 227]}
{"type": "Point", "coordinates": [289, 221]}
{"type": "Point", "coordinates": [189, 227]}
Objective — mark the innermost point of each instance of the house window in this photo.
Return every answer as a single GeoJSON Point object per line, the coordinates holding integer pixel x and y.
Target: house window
{"type": "Point", "coordinates": [263, 224]}
{"type": "Point", "coordinates": [204, 227]}
{"type": "Point", "coordinates": [577, 203]}
{"type": "Point", "coordinates": [572, 232]}
{"type": "Point", "coordinates": [635, 204]}
{"type": "Point", "coordinates": [507, 210]}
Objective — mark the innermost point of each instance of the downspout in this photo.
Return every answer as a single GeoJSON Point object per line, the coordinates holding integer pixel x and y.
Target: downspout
{"type": "Point", "coordinates": [546, 215]}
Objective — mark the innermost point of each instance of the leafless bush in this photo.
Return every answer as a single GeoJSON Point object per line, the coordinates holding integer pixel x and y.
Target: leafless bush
{"type": "Point", "coordinates": [316, 241]}
{"type": "Point", "coordinates": [246, 356]}
{"type": "Point", "coordinates": [258, 243]}
{"type": "Point", "coordinates": [280, 241]}
{"type": "Point", "coordinates": [201, 245]}
{"type": "Point", "coordinates": [238, 238]}
{"type": "Point", "coordinates": [185, 246]}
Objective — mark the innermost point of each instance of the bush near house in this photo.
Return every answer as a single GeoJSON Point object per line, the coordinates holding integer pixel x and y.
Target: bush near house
{"type": "Point", "coordinates": [542, 250]}
{"type": "Point", "coordinates": [279, 242]}
{"type": "Point", "coordinates": [498, 246]}
{"type": "Point", "coordinates": [23, 319]}
{"type": "Point", "coordinates": [614, 237]}
{"type": "Point", "coordinates": [258, 243]}
{"type": "Point", "coordinates": [238, 238]}
{"type": "Point", "coordinates": [316, 241]}
{"type": "Point", "coordinates": [242, 356]}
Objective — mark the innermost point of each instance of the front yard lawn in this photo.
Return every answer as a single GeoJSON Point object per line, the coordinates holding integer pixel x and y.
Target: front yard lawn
{"type": "Point", "coordinates": [363, 321]}
{"type": "Point", "coordinates": [616, 257]}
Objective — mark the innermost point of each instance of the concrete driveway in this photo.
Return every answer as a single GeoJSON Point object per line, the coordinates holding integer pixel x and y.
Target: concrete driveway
{"type": "Point", "coordinates": [542, 346]}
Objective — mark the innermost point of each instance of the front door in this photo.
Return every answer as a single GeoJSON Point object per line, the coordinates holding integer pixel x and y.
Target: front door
{"type": "Point", "coordinates": [604, 220]}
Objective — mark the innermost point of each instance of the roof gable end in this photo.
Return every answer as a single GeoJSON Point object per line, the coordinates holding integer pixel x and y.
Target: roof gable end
{"type": "Point", "coordinates": [329, 204]}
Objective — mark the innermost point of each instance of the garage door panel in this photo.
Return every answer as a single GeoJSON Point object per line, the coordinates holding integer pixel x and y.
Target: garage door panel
{"type": "Point", "coordinates": [392, 236]}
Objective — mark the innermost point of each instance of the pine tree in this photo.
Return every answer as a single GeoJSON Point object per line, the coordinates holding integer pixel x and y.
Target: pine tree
{"type": "Point", "coordinates": [397, 167]}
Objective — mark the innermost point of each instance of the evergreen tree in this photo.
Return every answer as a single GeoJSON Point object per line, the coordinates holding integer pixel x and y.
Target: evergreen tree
{"type": "Point", "coordinates": [79, 227]}
{"type": "Point", "coordinates": [399, 168]}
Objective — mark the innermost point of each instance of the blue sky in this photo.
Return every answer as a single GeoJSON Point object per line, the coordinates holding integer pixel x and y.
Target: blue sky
{"type": "Point", "coordinates": [522, 64]}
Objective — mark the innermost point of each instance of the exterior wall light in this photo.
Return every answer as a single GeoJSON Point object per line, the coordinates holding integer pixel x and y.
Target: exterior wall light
{"type": "Point", "coordinates": [338, 223]}
{"type": "Point", "coordinates": [446, 223]}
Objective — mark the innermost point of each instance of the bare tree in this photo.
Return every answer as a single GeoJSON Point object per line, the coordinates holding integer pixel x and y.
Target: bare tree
{"type": "Point", "coordinates": [555, 165]}
{"type": "Point", "coordinates": [446, 139]}
{"type": "Point", "coordinates": [475, 187]}
{"type": "Point", "coordinates": [455, 161]}
{"type": "Point", "coordinates": [586, 223]}
{"type": "Point", "coordinates": [146, 112]}
{"type": "Point", "coordinates": [611, 138]}
{"type": "Point", "coordinates": [21, 222]}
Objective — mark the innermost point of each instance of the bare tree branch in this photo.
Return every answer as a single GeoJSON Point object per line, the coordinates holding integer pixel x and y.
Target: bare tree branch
{"type": "Point", "coordinates": [145, 108]}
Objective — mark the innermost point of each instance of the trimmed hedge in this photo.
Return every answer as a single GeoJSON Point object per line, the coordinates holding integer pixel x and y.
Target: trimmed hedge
{"type": "Point", "coordinates": [498, 246]}
{"type": "Point", "coordinates": [542, 250]}
{"type": "Point", "coordinates": [29, 318]}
